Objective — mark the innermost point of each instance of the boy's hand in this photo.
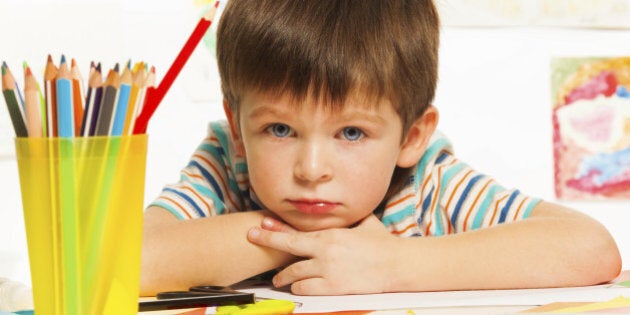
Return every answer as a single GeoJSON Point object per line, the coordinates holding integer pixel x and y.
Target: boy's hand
{"type": "Point", "coordinates": [336, 261]}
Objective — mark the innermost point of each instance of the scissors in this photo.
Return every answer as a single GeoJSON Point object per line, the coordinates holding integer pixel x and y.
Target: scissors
{"type": "Point", "coordinates": [197, 296]}
{"type": "Point", "coordinates": [227, 300]}
{"type": "Point", "coordinates": [200, 290]}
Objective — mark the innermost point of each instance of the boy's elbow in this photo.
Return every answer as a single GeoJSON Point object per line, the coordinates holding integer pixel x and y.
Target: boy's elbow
{"type": "Point", "coordinates": [601, 260]}
{"type": "Point", "coordinates": [607, 263]}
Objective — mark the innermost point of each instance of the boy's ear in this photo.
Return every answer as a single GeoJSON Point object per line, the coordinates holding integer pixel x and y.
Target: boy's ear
{"type": "Point", "coordinates": [235, 131]}
{"type": "Point", "coordinates": [417, 138]}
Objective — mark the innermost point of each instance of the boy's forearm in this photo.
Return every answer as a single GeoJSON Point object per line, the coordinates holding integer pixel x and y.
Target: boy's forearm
{"type": "Point", "coordinates": [179, 254]}
{"type": "Point", "coordinates": [551, 249]}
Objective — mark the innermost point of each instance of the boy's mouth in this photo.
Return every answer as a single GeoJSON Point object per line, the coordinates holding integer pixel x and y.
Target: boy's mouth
{"type": "Point", "coordinates": [309, 206]}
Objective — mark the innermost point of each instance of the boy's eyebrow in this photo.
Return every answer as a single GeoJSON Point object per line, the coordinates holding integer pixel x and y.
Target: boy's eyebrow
{"type": "Point", "coordinates": [361, 115]}
{"type": "Point", "coordinates": [344, 115]}
{"type": "Point", "coordinates": [266, 110]}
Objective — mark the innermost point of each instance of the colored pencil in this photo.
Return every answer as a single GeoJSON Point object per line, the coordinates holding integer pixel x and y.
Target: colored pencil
{"type": "Point", "coordinates": [78, 96]}
{"type": "Point", "coordinates": [65, 103]}
{"type": "Point", "coordinates": [67, 183]}
{"type": "Point", "coordinates": [42, 100]}
{"type": "Point", "coordinates": [122, 102]}
{"type": "Point", "coordinates": [16, 111]}
{"type": "Point", "coordinates": [50, 96]}
{"type": "Point", "coordinates": [92, 102]}
{"type": "Point", "coordinates": [155, 95]}
{"type": "Point", "coordinates": [135, 97]}
{"type": "Point", "coordinates": [32, 105]}
{"type": "Point", "coordinates": [108, 103]}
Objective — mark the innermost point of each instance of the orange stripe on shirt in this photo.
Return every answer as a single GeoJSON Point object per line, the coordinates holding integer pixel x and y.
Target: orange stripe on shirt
{"type": "Point", "coordinates": [453, 193]}
{"type": "Point", "coordinates": [470, 209]}
{"type": "Point", "coordinates": [496, 208]}
{"type": "Point", "coordinates": [178, 205]}
{"type": "Point", "coordinates": [520, 205]}
{"type": "Point", "coordinates": [189, 174]}
{"type": "Point", "coordinates": [198, 196]}
{"type": "Point", "coordinates": [391, 204]}
{"type": "Point", "coordinates": [223, 181]}
{"type": "Point", "coordinates": [435, 197]}
{"type": "Point", "coordinates": [410, 226]}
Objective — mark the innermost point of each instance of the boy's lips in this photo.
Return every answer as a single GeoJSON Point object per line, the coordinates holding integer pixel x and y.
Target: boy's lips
{"type": "Point", "coordinates": [309, 206]}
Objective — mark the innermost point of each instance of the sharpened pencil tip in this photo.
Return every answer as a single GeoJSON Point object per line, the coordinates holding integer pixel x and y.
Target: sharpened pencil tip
{"type": "Point", "coordinates": [63, 59]}
{"type": "Point", "coordinates": [49, 58]}
{"type": "Point", "coordinates": [216, 4]}
{"type": "Point", "coordinates": [24, 64]}
{"type": "Point", "coordinates": [4, 65]}
{"type": "Point", "coordinates": [117, 67]}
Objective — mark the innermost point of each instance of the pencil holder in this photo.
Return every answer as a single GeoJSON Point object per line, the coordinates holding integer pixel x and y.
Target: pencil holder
{"type": "Point", "coordinates": [83, 206]}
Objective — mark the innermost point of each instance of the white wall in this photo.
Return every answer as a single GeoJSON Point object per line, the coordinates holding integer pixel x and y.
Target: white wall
{"type": "Point", "coordinates": [493, 95]}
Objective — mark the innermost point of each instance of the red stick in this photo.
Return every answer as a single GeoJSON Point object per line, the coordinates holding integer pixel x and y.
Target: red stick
{"type": "Point", "coordinates": [155, 95]}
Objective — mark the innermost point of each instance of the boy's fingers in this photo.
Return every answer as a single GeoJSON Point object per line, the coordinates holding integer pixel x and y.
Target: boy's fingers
{"type": "Point", "coordinates": [272, 224]}
{"type": "Point", "coordinates": [293, 243]}
{"type": "Point", "coordinates": [301, 270]}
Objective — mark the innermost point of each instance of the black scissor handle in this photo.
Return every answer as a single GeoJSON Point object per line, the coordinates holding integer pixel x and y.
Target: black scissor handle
{"type": "Point", "coordinates": [212, 289]}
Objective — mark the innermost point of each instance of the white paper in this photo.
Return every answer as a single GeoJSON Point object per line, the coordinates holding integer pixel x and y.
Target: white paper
{"type": "Point", "coordinates": [392, 301]}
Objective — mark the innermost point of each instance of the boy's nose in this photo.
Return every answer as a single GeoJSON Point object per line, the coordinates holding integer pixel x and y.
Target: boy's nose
{"type": "Point", "coordinates": [313, 163]}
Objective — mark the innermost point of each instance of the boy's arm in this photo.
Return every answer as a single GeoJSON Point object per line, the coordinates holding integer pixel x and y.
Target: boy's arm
{"type": "Point", "coordinates": [177, 254]}
{"type": "Point", "coordinates": [554, 247]}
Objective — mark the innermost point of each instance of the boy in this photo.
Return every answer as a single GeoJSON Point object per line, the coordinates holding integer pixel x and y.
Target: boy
{"type": "Point", "coordinates": [331, 137]}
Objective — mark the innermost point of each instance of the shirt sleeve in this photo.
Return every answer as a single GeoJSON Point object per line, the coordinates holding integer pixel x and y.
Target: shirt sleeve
{"type": "Point", "coordinates": [447, 196]}
{"type": "Point", "coordinates": [213, 182]}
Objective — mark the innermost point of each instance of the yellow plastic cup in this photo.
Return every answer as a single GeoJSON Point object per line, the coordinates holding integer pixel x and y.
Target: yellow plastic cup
{"type": "Point", "coordinates": [83, 202]}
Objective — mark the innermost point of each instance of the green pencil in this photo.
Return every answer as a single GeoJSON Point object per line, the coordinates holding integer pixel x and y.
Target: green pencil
{"type": "Point", "coordinates": [15, 110]}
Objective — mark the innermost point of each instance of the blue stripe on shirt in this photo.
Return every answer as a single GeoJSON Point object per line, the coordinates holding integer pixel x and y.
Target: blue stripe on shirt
{"type": "Point", "coordinates": [508, 204]}
{"type": "Point", "coordinates": [398, 216]}
{"type": "Point", "coordinates": [188, 199]}
{"type": "Point", "coordinates": [463, 197]}
{"type": "Point", "coordinates": [483, 208]}
{"type": "Point", "coordinates": [218, 204]}
{"type": "Point", "coordinates": [428, 155]}
{"type": "Point", "coordinates": [425, 205]}
{"type": "Point", "coordinates": [208, 177]}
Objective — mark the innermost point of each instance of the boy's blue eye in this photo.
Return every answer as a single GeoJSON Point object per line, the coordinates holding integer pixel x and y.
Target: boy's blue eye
{"type": "Point", "coordinates": [280, 130]}
{"type": "Point", "coordinates": [352, 133]}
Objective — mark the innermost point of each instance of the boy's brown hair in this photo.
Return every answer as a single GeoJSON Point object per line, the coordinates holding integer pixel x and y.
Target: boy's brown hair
{"type": "Point", "coordinates": [328, 49]}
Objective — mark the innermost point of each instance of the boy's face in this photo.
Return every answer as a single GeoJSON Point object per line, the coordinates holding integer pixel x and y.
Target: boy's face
{"type": "Point", "coordinates": [316, 168]}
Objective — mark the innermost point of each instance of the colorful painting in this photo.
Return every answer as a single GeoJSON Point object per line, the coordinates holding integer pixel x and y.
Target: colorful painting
{"type": "Point", "coordinates": [591, 127]}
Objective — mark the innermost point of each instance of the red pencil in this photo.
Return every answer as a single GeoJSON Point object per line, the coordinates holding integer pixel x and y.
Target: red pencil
{"type": "Point", "coordinates": [155, 95]}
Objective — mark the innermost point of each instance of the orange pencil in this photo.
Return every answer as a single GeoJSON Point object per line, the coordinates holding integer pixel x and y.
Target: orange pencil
{"type": "Point", "coordinates": [77, 96]}
{"type": "Point", "coordinates": [50, 96]}
{"type": "Point", "coordinates": [32, 105]}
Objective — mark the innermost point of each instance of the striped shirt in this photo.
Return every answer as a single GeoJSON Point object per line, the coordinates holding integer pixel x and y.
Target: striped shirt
{"type": "Point", "coordinates": [442, 196]}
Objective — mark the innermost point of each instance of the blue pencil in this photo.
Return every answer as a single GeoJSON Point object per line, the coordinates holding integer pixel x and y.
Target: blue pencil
{"type": "Point", "coordinates": [65, 109]}
{"type": "Point", "coordinates": [123, 102]}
